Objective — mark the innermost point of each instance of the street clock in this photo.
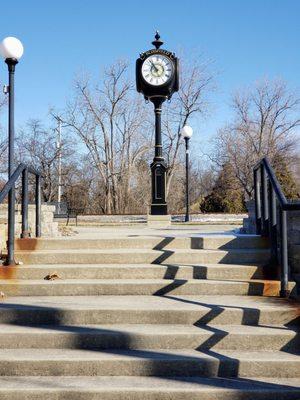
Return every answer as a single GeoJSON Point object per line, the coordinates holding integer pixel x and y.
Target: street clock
{"type": "Point", "coordinates": [157, 72]}
{"type": "Point", "coordinates": [157, 78]}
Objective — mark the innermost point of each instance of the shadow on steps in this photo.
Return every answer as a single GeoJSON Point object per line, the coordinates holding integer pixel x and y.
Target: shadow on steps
{"type": "Point", "coordinates": [176, 367]}
{"type": "Point", "coordinates": [53, 318]}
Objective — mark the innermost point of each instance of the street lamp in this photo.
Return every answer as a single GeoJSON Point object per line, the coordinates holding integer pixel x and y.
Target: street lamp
{"type": "Point", "coordinates": [187, 132]}
{"type": "Point", "coordinates": [11, 49]}
{"type": "Point", "coordinates": [58, 148]}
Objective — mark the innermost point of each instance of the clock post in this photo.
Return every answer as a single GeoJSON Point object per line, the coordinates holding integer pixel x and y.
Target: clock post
{"type": "Point", "coordinates": [157, 77]}
{"type": "Point", "coordinates": [158, 166]}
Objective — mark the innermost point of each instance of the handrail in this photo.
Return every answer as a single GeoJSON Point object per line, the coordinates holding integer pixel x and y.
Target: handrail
{"type": "Point", "coordinates": [285, 204]}
{"type": "Point", "coordinates": [15, 176]}
{"type": "Point", "coordinates": [270, 201]}
{"type": "Point", "coordinates": [8, 188]}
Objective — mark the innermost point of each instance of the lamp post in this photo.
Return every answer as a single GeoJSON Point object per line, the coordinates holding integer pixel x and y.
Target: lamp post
{"type": "Point", "coordinates": [187, 132]}
{"type": "Point", "coordinates": [59, 164]}
{"type": "Point", "coordinates": [58, 147]}
{"type": "Point", "coordinates": [11, 49]}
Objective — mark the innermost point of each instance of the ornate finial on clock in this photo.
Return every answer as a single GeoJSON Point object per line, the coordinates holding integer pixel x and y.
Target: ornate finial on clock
{"type": "Point", "coordinates": [157, 42]}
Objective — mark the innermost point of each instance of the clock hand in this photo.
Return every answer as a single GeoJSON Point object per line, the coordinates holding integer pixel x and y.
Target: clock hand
{"type": "Point", "coordinates": [154, 65]}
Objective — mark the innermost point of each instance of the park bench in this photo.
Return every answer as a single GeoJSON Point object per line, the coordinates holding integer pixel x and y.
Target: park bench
{"type": "Point", "coordinates": [63, 210]}
{"type": "Point", "coordinates": [73, 213]}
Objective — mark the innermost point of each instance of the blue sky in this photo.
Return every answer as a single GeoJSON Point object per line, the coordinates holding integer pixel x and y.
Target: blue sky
{"type": "Point", "coordinates": [246, 39]}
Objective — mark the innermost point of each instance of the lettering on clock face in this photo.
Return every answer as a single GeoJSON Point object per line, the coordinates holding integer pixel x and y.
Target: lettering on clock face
{"type": "Point", "coordinates": [157, 69]}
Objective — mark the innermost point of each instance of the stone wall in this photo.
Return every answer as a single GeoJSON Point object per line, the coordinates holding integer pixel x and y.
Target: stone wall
{"type": "Point", "coordinates": [49, 227]}
{"type": "Point", "coordinates": [249, 222]}
{"type": "Point", "coordinates": [230, 219]}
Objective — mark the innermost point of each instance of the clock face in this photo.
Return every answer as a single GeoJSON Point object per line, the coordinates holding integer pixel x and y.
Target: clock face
{"type": "Point", "coordinates": [157, 70]}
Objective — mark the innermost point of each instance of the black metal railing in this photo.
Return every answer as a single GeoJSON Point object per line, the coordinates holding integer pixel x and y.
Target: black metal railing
{"type": "Point", "coordinates": [271, 207]}
{"type": "Point", "coordinates": [9, 189]}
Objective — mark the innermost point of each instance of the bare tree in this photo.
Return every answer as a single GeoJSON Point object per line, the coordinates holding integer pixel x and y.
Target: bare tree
{"type": "Point", "coordinates": [78, 180]}
{"type": "Point", "coordinates": [265, 121]}
{"type": "Point", "coordinates": [296, 170]}
{"type": "Point", "coordinates": [37, 146]}
{"type": "Point", "coordinates": [190, 102]}
{"type": "Point", "coordinates": [111, 120]}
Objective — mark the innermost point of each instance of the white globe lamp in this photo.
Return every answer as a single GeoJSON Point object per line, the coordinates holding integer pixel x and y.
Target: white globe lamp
{"type": "Point", "coordinates": [11, 48]}
{"type": "Point", "coordinates": [186, 132]}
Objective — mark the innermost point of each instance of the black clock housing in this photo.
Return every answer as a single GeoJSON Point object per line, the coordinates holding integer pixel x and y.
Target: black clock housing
{"type": "Point", "coordinates": [165, 90]}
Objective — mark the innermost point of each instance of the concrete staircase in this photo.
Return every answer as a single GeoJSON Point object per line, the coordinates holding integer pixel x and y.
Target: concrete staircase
{"type": "Point", "coordinates": [152, 318]}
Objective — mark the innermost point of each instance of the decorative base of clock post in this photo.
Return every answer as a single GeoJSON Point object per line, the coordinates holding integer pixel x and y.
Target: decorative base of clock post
{"type": "Point", "coordinates": [158, 173]}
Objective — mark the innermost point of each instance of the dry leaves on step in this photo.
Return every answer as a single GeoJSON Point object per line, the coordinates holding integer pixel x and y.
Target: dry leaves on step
{"type": "Point", "coordinates": [67, 231]}
{"type": "Point", "coordinates": [52, 277]}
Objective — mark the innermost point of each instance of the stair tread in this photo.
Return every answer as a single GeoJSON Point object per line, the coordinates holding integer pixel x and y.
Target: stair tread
{"type": "Point", "coordinates": [146, 251]}
{"type": "Point", "coordinates": [136, 256]}
{"type": "Point", "coordinates": [139, 271]}
{"type": "Point", "coordinates": [145, 383]}
{"type": "Point", "coordinates": [149, 330]}
{"type": "Point", "coordinates": [181, 235]}
{"type": "Point", "coordinates": [173, 302]}
{"type": "Point", "coordinates": [156, 235]}
{"type": "Point", "coordinates": [137, 281]}
{"type": "Point", "coordinates": [145, 355]}
{"type": "Point", "coordinates": [134, 266]}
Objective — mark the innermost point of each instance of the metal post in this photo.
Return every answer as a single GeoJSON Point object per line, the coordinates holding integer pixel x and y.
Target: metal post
{"type": "Point", "coordinates": [59, 165]}
{"type": "Point", "coordinates": [257, 200]}
{"type": "Point", "coordinates": [273, 224]}
{"type": "Point", "coordinates": [158, 166]}
{"type": "Point", "coordinates": [11, 63]}
{"type": "Point", "coordinates": [284, 291]}
{"type": "Point", "coordinates": [187, 197]}
{"type": "Point", "coordinates": [25, 232]}
{"type": "Point", "coordinates": [158, 141]}
{"type": "Point", "coordinates": [264, 205]}
{"type": "Point", "coordinates": [38, 232]}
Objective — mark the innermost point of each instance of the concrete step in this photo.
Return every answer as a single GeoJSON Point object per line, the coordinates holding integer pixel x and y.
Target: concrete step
{"type": "Point", "coordinates": [146, 287]}
{"type": "Point", "coordinates": [196, 241]}
{"type": "Point", "coordinates": [137, 271]}
{"type": "Point", "coordinates": [169, 309]}
{"type": "Point", "coordinates": [131, 315]}
{"type": "Point", "coordinates": [143, 256]}
{"type": "Point", "coordinates": [117, 362]}
{"type": "Point", "coordinates": [147, 388]}
{"type": "Point", "coordinates": [145, 336]}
